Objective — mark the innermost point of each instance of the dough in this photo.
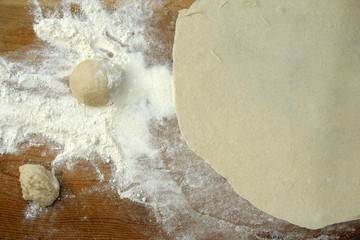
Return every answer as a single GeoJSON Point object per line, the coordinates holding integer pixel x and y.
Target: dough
{"type": "Point", "coordinates": [268, 93]}
{"type": "Point", "coordinates": [92, 81]}
{"type": "Point", "coordinates": [38, 184]}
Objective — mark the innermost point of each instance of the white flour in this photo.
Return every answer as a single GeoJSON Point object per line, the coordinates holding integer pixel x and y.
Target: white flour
{"type": "Point", "coordinates": [33, 210]}
{"type": "Point", "coordinates": [158, 171]}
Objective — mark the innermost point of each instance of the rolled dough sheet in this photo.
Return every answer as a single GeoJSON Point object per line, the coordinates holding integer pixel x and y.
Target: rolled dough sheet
{"type": "Point", "coordinates": [268, 93]}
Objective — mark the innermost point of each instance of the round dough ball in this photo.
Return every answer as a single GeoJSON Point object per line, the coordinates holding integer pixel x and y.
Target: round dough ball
{"type": "Point", "coordinates": [92, 81]}
{"type": "Point", "coordinates": [38, 184]}
{"type": "Point", "coordinates": [267, 92]}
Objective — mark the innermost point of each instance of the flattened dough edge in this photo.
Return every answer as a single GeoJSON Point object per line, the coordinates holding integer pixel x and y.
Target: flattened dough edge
{"type": "Point", "coordinates": [268, 93]}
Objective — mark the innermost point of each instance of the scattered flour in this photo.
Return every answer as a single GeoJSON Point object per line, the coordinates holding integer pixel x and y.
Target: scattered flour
{"type": "Point", "coordinates": [33, 210]}
{"type": "Point", "coordinates": [151, 168]}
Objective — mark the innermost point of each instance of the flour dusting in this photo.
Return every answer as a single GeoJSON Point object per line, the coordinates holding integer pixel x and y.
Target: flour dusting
{"type": "Point", "coordinates": [137, 132]}
{"type": "Point", "coordinates": [33, 210]}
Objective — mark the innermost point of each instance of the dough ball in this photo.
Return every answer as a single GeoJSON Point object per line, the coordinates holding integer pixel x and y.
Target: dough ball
{"type": "Point", "coordinates": [38, 184]}
{"type": "Point", "coordinates": [92, 81]}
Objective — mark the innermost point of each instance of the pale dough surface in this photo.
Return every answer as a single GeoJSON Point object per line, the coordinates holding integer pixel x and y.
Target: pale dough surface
{"type": "Point", "coordinates": [38, 184]}
{"type": "Point", "coordinates": [93, 80]}
{"type": "Point", "coordinates": [268, 93]}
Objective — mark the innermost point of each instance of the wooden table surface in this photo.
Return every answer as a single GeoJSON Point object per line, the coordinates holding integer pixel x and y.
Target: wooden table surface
{"type": "Point", "coordinates": [96, 214]}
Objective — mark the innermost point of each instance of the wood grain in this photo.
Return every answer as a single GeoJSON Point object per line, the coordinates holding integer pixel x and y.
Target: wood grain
{"type": "Point", "coordinates": [87, 208]}
{"type": "Point", "coordinates": [95, 211]}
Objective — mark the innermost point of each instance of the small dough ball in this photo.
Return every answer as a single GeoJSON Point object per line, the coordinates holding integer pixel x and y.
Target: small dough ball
{"type": "Point", "coordinates": [38, 184]}
{"type": "Point", "coordinates": [92, 81]}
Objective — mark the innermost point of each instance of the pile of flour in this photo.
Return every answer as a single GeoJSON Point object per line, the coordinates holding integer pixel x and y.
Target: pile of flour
{"type": "Point", "coordinates": [157, 170]}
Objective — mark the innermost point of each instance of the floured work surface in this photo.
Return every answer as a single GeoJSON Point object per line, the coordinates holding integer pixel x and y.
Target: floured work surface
{"type": "Point", "coordinates": [172, 194]}
{"type": "Point", "coordinates": [268, 93]}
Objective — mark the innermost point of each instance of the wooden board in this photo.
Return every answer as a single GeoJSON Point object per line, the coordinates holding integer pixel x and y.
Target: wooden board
{"type": "Point", "coordinates": [95, 211]}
